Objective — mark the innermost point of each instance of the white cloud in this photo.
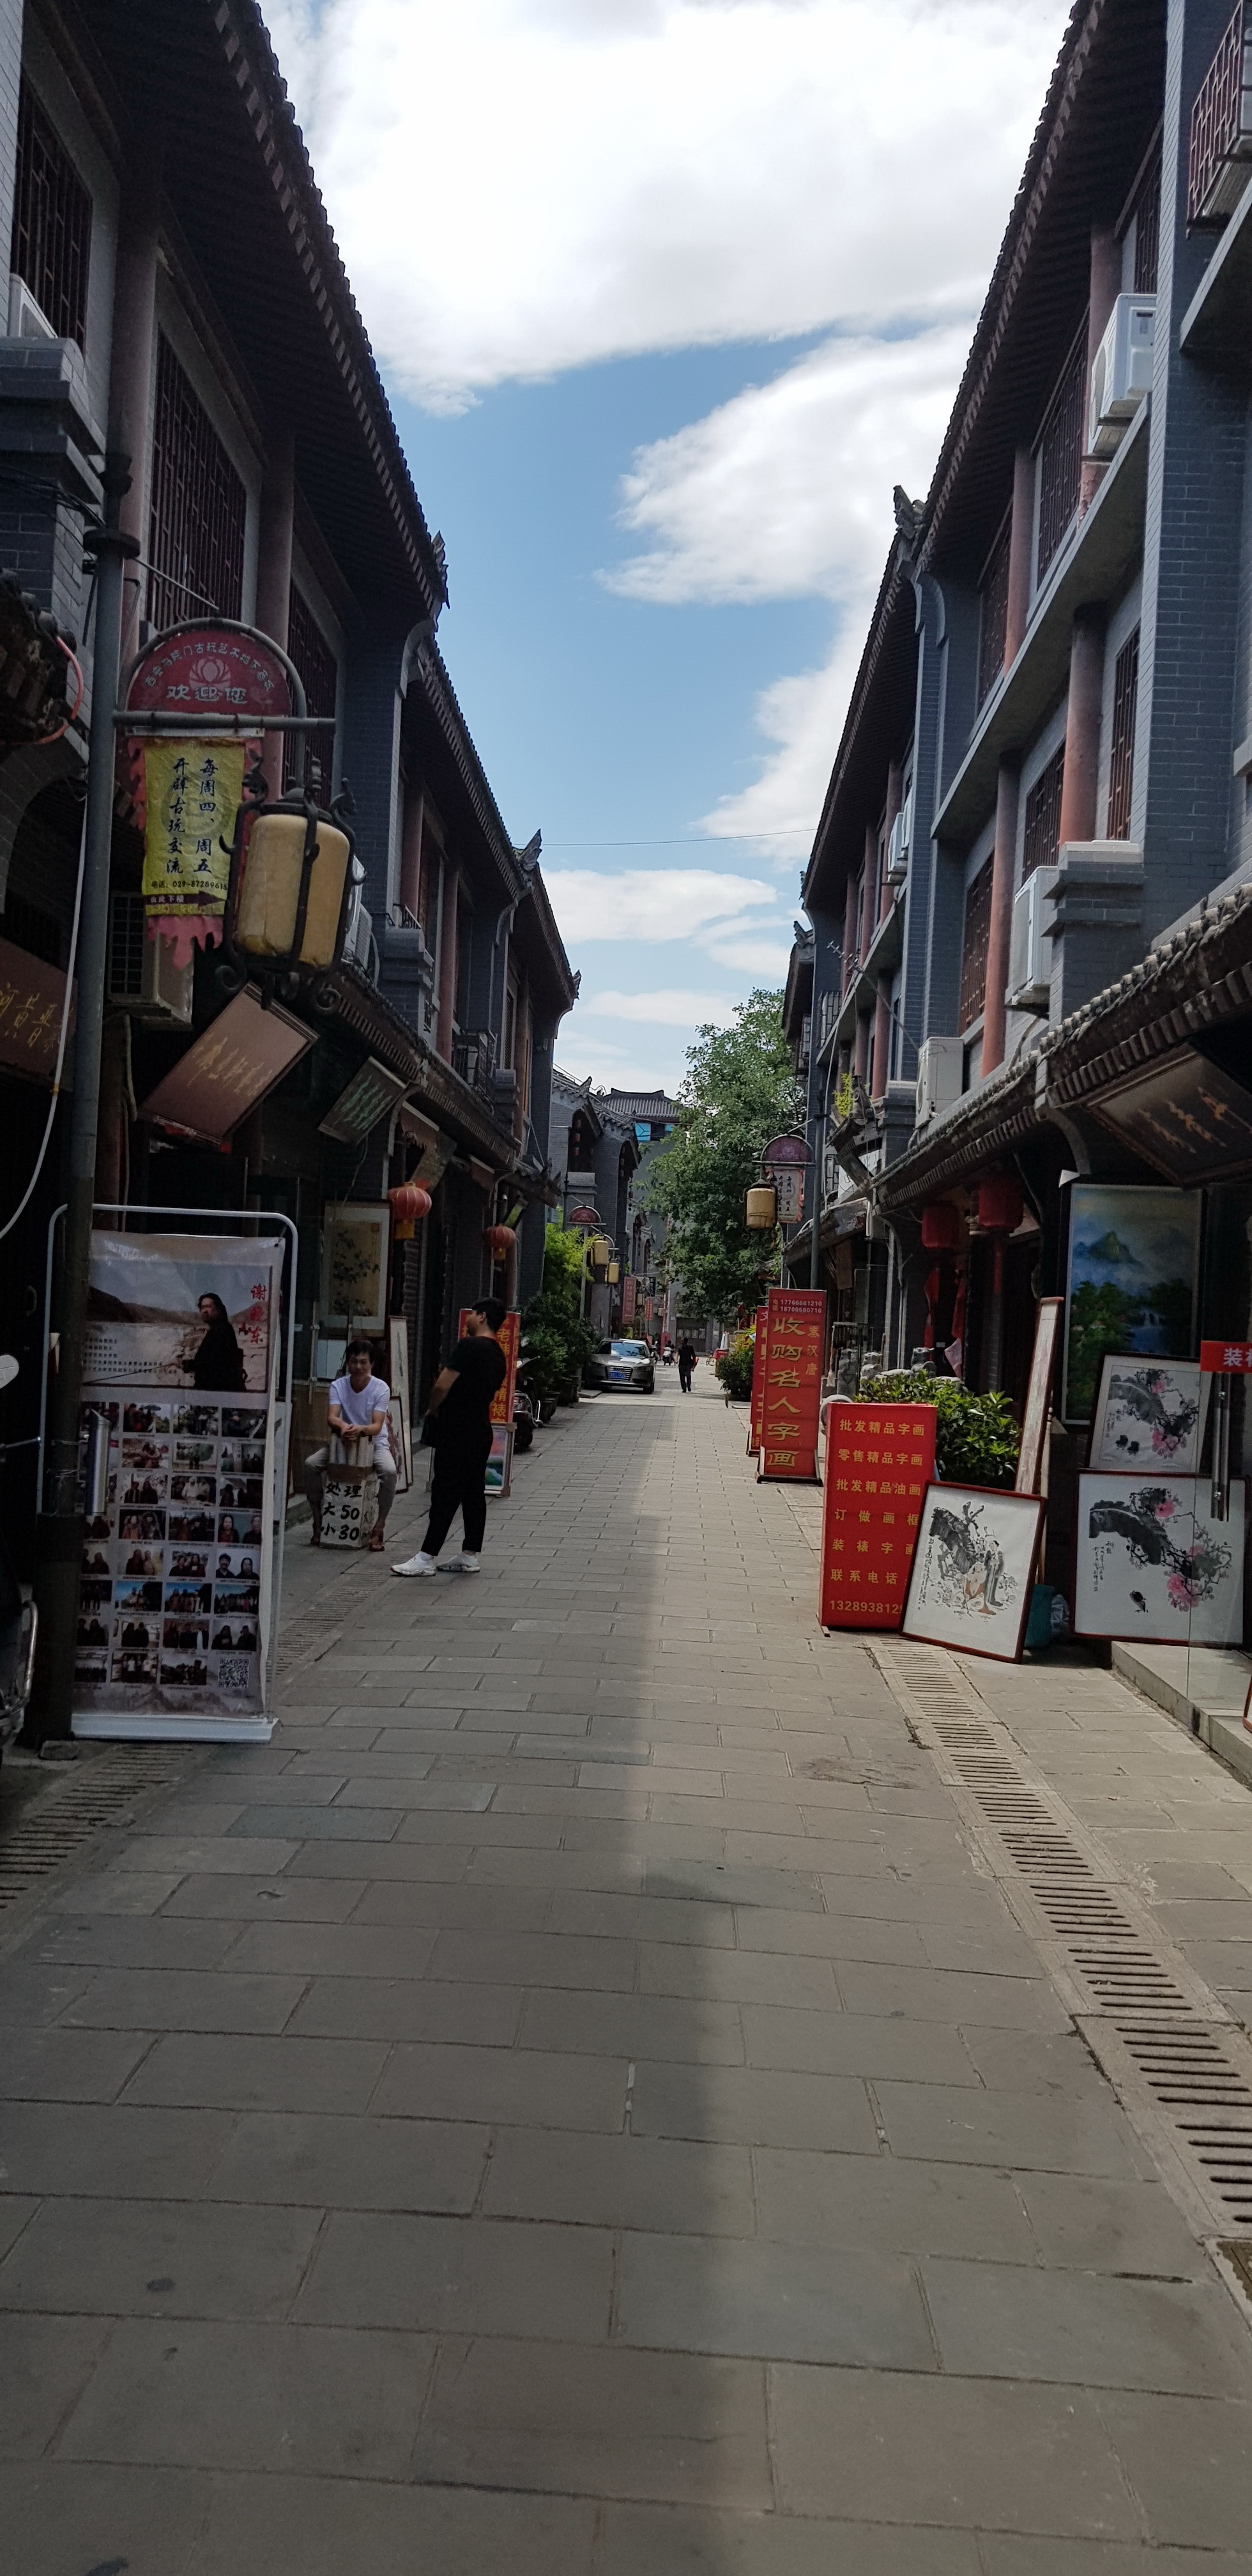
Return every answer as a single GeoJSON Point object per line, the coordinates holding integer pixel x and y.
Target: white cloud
{"type": "Point", "coordinates": [650, 903]}
{"type": "Point", "coordinates": [764, 959]}
{"type": "Point", "coordinates": [668, 1008]}
{"type": "Point", "coordinates": [522, 186]}
{"type": "Point", "coordinates": [802, 717]}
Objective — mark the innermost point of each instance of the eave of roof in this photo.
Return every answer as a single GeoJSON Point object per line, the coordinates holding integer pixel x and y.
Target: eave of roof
{"type": "Point", "coordinates": [541, 943]}
{"type": "Point", "coordinates": [882, 690]}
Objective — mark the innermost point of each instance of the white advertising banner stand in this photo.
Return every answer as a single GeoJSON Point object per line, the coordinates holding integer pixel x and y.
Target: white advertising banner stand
{"type": "Point", "coordinates": [187, 1369]}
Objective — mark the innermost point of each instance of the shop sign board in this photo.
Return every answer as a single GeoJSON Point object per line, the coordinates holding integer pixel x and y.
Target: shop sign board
{"type": "Point", "coordinates": [1188, 1118]}
{"type": "Point", "coordinates": [1226, 1359]}
{"type": "Point", "coordinates": [792, 1394]}
{"type": "Point", "coordinates": [176, 1602]}
{"type": "Point", "coordinates": [789, 1188]}
{"type": "Point", "coordinates": [32, 999]}
{"type": "Point", "coordinates": [192, 793]}
{"type": "Point", "coordinates": [372, 1093]}
{"type": "Point", "coordinates": [758, 1382]}
{"type": "Point", "coordinates": [227, 1069]}
{"type": "Point", "coordinates": [879, 1460]}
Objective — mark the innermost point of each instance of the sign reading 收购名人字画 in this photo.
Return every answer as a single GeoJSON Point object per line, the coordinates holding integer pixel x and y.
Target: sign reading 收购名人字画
{"type": "Point", "coordinates": [756, 1399]}
{"type": "Point", "coordinates": [792, 1385]}
{"type": "Point", "coordinates": [192, 792]}
{"type": "Point", "coordinates": [879, 1460]}
{"type": "Point", "coordinates": [177, 1572]}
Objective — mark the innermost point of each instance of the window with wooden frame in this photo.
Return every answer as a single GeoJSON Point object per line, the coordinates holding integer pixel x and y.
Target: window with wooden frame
{"type": "Point", "coordinates": [975, 943]}
{"type": "Point", "coordinates": [51, 245]}
{"type": "Point", "coordinates": [316, 663]}
{"type": "Point", "coordinates": [994, 620]}
{"type": "Point", "coordinates": [1147, 222]}
{"type": "Point", "coordinates": [1041, 828]}
{"type": "Point", "coordinates": [199, 513]}
{"type": "Point", "coordinates": [1060, 453]}
{"type": "Point", "coordinates": [1122, 739]}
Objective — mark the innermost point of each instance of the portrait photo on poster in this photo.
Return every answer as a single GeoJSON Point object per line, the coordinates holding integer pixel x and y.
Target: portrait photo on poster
{"type": "Point", "coordinates": [1151, 1562]}
{"type": "Point", "coordinates": [974, 1570]}
{"type": "Point", "coordinates": [189, 1311]}
{"type": "Point", "coordinates": [1148, 1413]}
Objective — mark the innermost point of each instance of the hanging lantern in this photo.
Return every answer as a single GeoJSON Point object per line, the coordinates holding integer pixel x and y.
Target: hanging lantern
{"type": "Point", "coordinates": [409, 1202]}
{"type": "Point", "coordinates": [941, 1226]}
{"type": "Point", "coordinates": [500, 1239]}
{"type": "Point", "coordinates": [291, 879]}
{"type": "Point", "coordinates": [615, 1273]}
{"type": "Point", "coordinates": [1000, 1203]}
{"type": "Point", "coordinates": [600, 1248]}
{"type": "Point", "coordinates": [761, 1214]}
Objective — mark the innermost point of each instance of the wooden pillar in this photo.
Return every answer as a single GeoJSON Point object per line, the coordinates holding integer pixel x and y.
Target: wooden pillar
{"type": "Point", "coordinates": [895, 799]}
{"type": "Point", "coordinates": [1082, 726]}
{"type": "Point", "coordinates": [881, 1059]}
{"type": "Point", "coordinates": [860, 1062]}
{"type": "Point", "coordinates": [1106, 281]}
{"type": "Point", "coordinates": [447, 959]}
{"type": "Point", "coordinates": [1021, 547]}
{"type": "Point", "coordinates": [1002, 865]}
{"type": "Point", "coordinates": [849, 932]}
{"type": "Point", "coordinates": [869, 895]}
{"type": "Point", "coordinates": [411, 850]}
{"type": "Point", "coordinates": [130, 370]}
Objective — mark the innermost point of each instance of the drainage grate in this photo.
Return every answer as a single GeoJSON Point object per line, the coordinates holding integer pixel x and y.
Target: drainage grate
{"type": "Point", "coordinates": [63, 1817]}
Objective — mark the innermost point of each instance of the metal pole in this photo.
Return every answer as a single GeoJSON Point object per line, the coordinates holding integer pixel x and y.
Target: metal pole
{"type": "Point", "coordinates": [60, 1526]}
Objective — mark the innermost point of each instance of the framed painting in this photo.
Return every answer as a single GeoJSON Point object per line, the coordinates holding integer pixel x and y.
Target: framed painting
{"type": "Point", "coordinates": [1152, 1563]}
{"type": "Point", "coordinates": [356, 1243]}
{"type": "Point", "coordinates": [1039, 1394]}
{"type": "Point", "coordinates": [973, 1570]}
{"type": "Point", "coordinates": [1148, 1413]}
{"type": "Point", "coordinates": [1133, 1264]}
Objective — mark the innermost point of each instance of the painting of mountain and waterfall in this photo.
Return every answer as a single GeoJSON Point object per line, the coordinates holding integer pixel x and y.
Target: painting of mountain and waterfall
{"type": "Point", "coordinates": [1133, 1257]}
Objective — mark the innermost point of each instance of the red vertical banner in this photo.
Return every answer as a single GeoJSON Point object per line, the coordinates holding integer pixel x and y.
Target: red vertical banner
{"type": "Point", "coordinates": [879, 1460]}
{"type": "Point", "coordinates": [508, 1338]}
{"type": "Point", "coordinates": [759, 1348]}
{"type": "Point", "coordinates": [792, 1391]}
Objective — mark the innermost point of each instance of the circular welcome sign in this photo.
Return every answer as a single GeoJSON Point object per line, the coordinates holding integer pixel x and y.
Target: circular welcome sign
{"type": "Point", "coordinates": [205, 669]}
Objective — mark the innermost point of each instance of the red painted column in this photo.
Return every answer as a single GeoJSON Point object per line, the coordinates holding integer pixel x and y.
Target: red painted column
{"type": "Point", "coordinates": [447, 960]}
{"type": "Point", "coordinates": [1021, 544]}
{"type": "Point", "coordinates": [1106, 282]}
{"type": "Point", "coordinates": [1082, 726]}
{"type": "Point", "coordinates": [1002, 865]}
{"type": "Point", "coordinates": [869, 903]}
{"type": "Point", "coordinates": [849, 931]}
{"type": "Point", "coordinates": [895, 798]}
{"type": "Point", "coordinates": [881, 1060]}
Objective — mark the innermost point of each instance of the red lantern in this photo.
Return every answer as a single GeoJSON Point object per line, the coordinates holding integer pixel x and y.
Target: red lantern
{"type": "Point", "coordinates": [409, 1201]}
{"type": "Point", "coordinates": [941, 1226]}
{"type": "Point", "coordinates": [500, 1239]}
{"type": "Point", "coordinates": [1000, 1203]}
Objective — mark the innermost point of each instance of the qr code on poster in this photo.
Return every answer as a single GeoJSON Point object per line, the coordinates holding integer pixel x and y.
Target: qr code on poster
{"type": "Point", "coordinates": [234, 1672]}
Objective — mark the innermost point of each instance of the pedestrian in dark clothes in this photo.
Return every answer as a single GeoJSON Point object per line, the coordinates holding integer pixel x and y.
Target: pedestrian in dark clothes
{"type": "Point", "coordinates": [461, 1400]}
{"type": "Point", "coordinates": [686, 1365]}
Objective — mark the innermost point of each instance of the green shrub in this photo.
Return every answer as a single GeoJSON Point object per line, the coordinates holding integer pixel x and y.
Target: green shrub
{"type": "Point", "coordinates": [555, 1339]}
{"type": "Point", "coordinates": [976, 1437]}
{"type": "Point", "coordinates": [733, 1366]}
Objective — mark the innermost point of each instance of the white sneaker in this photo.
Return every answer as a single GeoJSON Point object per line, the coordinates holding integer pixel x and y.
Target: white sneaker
{"type": "Point", "coordinates": [462, 1564]}
{"type": "Point", "coordinates": [419, 1564]}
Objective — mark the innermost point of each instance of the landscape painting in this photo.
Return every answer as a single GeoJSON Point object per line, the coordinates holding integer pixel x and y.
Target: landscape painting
{"type": "Point", "coordinates": [1133, 1260]}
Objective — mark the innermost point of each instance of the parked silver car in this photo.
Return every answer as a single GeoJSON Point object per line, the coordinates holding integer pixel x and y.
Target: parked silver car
{"type": "Point", "coordinates": [628, 1364]}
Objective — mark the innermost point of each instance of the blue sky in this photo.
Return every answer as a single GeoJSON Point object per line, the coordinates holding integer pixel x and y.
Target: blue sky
{"type": "Point", "coordinates": [667, 294]}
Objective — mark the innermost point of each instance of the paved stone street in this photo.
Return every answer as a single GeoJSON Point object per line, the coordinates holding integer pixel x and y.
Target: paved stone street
{"type": "Point", "coordinates": [580, 2104]}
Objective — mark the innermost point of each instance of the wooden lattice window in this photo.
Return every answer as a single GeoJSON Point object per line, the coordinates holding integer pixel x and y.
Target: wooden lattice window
{"type": "Point", "coordinates": [1122, 739]}
{"type": "Point", "coordinates": [51, 223]}
{"type": "Point", "coordinates": [1060, 454]}
{"type": "Point", "coordinates": [1041, 833]}
{"type": "Point", "coordinates": [975, 944]}
{"type": "Point", "coordinates": [994, 623]}
{"type": "Point", "coordinates": [199, 507]}
{"type": "Point", "coordinates": [319, 671]}
{"type": "Point", "coordinates": [1148, 229]}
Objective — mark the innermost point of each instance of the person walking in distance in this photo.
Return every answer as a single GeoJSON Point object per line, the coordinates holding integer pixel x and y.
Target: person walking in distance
{"type": "Point", "coordinates": [686, 1363]}
{"type": "Point", "coordinates": [461, 1399]}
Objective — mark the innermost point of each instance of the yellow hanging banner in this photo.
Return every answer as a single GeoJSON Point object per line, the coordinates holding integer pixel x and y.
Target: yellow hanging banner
{"type": "Point", "coordinates": [193, 792]}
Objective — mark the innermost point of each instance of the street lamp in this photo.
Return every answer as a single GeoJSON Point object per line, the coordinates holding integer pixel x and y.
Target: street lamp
{"type": "Point", "coordinates": [292, 871]}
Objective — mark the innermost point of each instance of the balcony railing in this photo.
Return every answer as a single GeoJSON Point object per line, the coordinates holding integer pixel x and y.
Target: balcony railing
{"type": "Point", "coordinates": [473, 1057]}
{"type": "Point", "coordinates": [1221, 127]}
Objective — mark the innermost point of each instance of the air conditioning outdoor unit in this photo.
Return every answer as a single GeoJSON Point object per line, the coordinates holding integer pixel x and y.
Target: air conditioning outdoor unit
{"type": "Point", "coordinates": [1030, 955]}
{"type": "Point", "coordinates": [1121, 371]}
{"type": "Point", "coordinates": [142, 977]}
{"type": "Point", "coordinates": [27, 320]}
{"type": "Point", "coordinates": [898, 845]}
{"type": "Point", "coordinates": [940, 1070]}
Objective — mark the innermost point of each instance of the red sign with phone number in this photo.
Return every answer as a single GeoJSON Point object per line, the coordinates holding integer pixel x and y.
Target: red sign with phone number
{"type": "Point", "coordinates": [879, 1460]}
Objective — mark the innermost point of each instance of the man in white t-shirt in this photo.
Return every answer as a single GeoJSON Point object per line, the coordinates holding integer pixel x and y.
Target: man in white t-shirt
{"type": "Point", "coordinates": [357, 1413]}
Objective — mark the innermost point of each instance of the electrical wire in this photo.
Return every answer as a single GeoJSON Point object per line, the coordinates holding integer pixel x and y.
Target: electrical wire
{"type": "Point", "coordinates": [29, 1192]}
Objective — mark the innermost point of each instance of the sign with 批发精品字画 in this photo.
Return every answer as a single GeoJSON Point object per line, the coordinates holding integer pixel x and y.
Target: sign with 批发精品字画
{"type": "Point", "coordinates": [879, 1460]}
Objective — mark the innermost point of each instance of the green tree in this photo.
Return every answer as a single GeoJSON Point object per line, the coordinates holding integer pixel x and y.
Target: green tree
{"type": "Point", "coordinates": [739, 1090]}
{"type": "Point", "coordinates": [555, 1339]}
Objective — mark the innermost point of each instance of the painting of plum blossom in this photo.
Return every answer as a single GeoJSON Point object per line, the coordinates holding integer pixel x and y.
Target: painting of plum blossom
{"type": "Point", "coordinates": [1154, 1564]}
{"type": "Point", "coordinates": [1148, 1414]}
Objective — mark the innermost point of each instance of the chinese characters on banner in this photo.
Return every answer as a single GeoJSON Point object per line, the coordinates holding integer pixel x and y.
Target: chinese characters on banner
{"type": "Point", "coordinates": [1226, 1359]}
{"type": "Point", "coordinates": [792, 1395]}
{"type": "Point", "coordinates": [758, 1382]}
{"type": "Point", "coordinates": [192, 791]}
{"type": "Point", "coordinates": [879, 1460]}
{"type": "Point", "coordinates": [507, 1337]}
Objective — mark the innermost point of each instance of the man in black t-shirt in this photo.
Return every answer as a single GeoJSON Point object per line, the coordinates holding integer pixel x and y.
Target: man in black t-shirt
{"type": "Point", "coordinates": [462, 1398]}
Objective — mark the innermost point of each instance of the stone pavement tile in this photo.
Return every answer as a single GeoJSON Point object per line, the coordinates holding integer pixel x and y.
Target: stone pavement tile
{"type": "Point", "coordinates": [178, 1999]}
{"type": "Point", "coordinates": [620, 2181]}
{"type": "Point", "coordinates": [849, 2043]}
{"type": "Point", "coordinates": [238, 2072]}
{"type": "Point", "coordinates": [59, 2518]}
{"type": "Point", "coordinates": [334, 1949]}
{"type": "Point", "coordinates": [258, 2396]}
{"type": "Point", "coordinates": [536, 1811]}
{"type": "Point", "coordinates": [324, 2159]}
{"type": "Point", "coordinates": [409, 2008]}
{"type": "Point", "coordinates": [67, 2065]}
{"type": "Point", "coordinates": [892, 2447]}
{"type": "Point", "coordinates": [285, 2526]}
{"type": "Point", "coordinates": [1188, 2461]}
{"type": "Point", "coordinates": [461, 2276]}
{"type": "Point", "coordinates": [577, 1872]}
{"type": "Point", "coordinates": [144, 2258]}
{"type": "Point", "coordinates": [250, 1789]}
{"type": "Point", "coordinates": [1006, 1951]}
{"type": "Point", "coordinates": [116, 2149]}
{"type": "Point", "coordinates": [1006, 2322]}
{"type": "Point", "coordinates": [644, 1918]}
{"type": "Point", "coordinates": [45, 2363]}
{"type": "Point", "coordinates": [607, 2422]}
{"type": "Point", "coordinates": [178, 1855]}
{"type": "Point", "coordinates": [188, 1816]}
{"type": "Point", "coordinates": [1216, 1919]}
{"type": "Point", "coordinates": [372, 1824]}
{"type": "Point", "coordinates": [534, 1959]}
{"type": "Point", "coordinates": [1034, 2131]}
{"type": "Point", "coordinates": [423, 1860]}
{"type": "Point", "coordinates": [754, 2107]}
{"type": "Point", "coordinates": [673, 2540]}
{"type": "Point", "coordinates": [819, 2199]}
{"type": "Point", "coordinates": [115, 1891]}
{"type": "Point", "coordinates": [15, 2214]}
{"type": "Point", "coordinates": [265, 1900]}
{"type": "Point", "coordinates": [155, 1942]}
{"type": "Point", "coordinates": [936, 1994]}
{"type": "Point", "coordinates": [651, 1842]}
{"type": "Point", "coordinates": [1005, 2554]}
{"type": "Point", "coordinates": [1224, 1965]}
{"type": "Point", "coordinates": [1012, 2061]}
{"type": "Point", "coordinates": [855, 2306]}
{"type": "Point", "coordinates": [737, 1976]}
{"type": "Point", "coordinates": [523, 2087]}
{"type": "Point", "coordinates": [1096, 2226]}
{"type": "Point", "coordinates": [730, 1883]}
{"type": "Point", "coordinates": [692, 2031]}
{"type": "Point", "coordinates": [453, 1905]}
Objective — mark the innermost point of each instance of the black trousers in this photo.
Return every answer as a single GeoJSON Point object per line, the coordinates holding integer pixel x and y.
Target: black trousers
{"type": "Point", "coordinates": [460, 1467]}
{"type": "Point", "coordinates": [684, 1378]}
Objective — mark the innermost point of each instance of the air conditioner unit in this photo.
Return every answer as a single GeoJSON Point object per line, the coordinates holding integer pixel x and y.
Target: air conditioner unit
{"type": "Point", "coordinates": [1030, 962]}
{"type": "Point", "coordinates": [142, 978]}
{"type": "Point", "coordinates": [27, 320]}
{"type": "Point", "coordinates": [898, 845]}
{"type": "Point", "coordinates": [1121, 371]}
{"type": "Point", "coordinates": [940, 1072]}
